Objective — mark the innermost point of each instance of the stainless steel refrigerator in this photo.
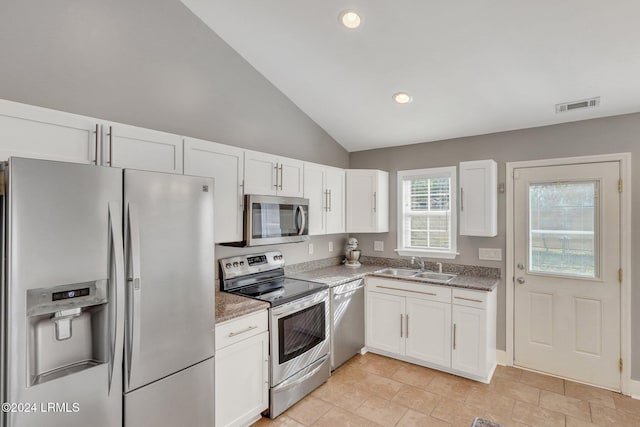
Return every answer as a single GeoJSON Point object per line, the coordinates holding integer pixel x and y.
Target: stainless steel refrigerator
{"type": "Point", "coordinates": [107, 296]}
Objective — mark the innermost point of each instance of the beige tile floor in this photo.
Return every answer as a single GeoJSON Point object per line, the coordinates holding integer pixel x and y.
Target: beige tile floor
{"type": "Point", "coordinates": [373, 390]}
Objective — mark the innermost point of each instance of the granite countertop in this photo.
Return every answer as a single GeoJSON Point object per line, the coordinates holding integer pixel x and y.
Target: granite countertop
{"type": "Point", "coordinates": [336, 275]}
{"type": "Point", "coordinates": [229, 306]}
{"type": "Point", "coordinates": [339, 274]}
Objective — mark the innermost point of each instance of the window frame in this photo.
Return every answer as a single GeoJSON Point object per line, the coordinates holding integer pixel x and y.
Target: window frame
{"type": "Point", "coordinates": [429, 173]}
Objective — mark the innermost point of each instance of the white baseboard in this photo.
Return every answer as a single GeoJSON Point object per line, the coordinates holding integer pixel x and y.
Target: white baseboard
{"type": "Point", "coordinates": [634, 389]}
{"type": "Point", "coordinates": [501, 358]}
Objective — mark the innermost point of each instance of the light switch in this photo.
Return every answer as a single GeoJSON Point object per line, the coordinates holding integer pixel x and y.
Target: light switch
{"type": "Point", "coordinates": [378, 245]}
{"type": "Point", "coordinates": [310, 248]}
{"type": "Point", "coordinates": [490, 254]}
{"type": "Point", "coordinates": [330, 246]}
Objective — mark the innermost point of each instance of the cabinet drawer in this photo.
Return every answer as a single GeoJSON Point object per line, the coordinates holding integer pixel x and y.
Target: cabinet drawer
{"type": "Point", "coordinates": [410, 289]}
{"type": "Point", "coordinates": [235, 330]}
{"type": "Point", "coordinates": [469, 298]}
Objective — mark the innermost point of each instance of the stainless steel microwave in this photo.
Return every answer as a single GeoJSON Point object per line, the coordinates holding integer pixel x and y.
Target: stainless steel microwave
{"type": "Point", "coordinates": [271, 220]}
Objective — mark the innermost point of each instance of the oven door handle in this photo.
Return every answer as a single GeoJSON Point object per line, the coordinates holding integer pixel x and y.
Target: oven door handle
{"type": "Point", "coordinates": [295, 306]}
{"type": "Point", "coordinates": [300, 210]}
{"type": "Point", "coordinates": [291, 383]}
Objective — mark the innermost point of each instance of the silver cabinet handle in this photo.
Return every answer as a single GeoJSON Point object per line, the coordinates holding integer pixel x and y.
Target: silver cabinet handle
{"type": "Point", "coordinates": [454, 336]}
{"type": "Point", "coordinates": [276, 178]}
{"type": "Point", "coordinates": [326, 200]}
{"type": "Point", "coordinates": [401, 320]}
{"type": "Point", "coordinates": [245, 330]}
{"type": "Point", "coordinates": [406, 329]}
{"type": "Point", "coordinates": [408, 290]}
{"type": "Point", "coordinates": [110, 163]}
{"type": "Point", "coordinates": [469, 299]}
{"type": "Point", "coordinates": [95, 160]}
{"type": "Point", "coordinates": [461, 199]}
{"type": "Point", "coordinates": [375, 201]}
{"type": "Point", "coordinates": [281, 178]}
{"type": "Point", "coordinates": [330, 201]}
{"type": "Point", "coordinates": [242, 194]}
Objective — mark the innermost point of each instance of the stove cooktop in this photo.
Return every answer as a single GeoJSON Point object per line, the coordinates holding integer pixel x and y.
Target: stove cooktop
{"type": "Point", "coordinates": [280, 290]}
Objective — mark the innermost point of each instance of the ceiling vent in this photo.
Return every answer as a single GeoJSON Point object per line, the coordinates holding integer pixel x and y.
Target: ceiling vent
{"type": "Point", "coordinates": [578, 105]}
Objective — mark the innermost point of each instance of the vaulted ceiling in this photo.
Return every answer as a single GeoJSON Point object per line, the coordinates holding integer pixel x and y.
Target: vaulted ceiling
{"type": "Point", "coordinates": [472, 66]}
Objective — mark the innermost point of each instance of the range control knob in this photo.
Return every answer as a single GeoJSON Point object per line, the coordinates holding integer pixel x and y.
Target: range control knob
{"type": "Point", "coordinates": [235, 263]}
{"type": "Point", "coordinates": [228, 265]}
{"type": "Point", "coordinates": [241, 262]}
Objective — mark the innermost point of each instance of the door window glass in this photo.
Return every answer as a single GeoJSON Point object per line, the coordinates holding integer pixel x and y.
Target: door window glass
{"type": "Point", "coordinates": [563, 228]}
{"type": "Point", "coordinates": [301, 331]}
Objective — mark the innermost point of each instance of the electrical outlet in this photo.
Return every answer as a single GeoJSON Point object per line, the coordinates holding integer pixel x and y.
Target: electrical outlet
{"type": "Point", "coordinates": [378, 245]}
{"type": "Point", "coordinates": [490, 254]}
{"type": "Point", "coordinates": [310, 248]}
{"type": "Point", "coordinates": [330, 246]}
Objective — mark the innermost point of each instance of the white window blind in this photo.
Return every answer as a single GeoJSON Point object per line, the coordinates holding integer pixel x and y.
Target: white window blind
{"type": "Point", "coordinates": [426, 217]}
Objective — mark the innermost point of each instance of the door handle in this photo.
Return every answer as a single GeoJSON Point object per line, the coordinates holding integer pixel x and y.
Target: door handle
{"type": "Point", "coordinates": [116, 283]}
{"type": "Point", "coordinates": [520, 280]}
{"type": "Point", "coordinates": [326, 200]}
{"type": "Point", "coordinates": [276, 177]}
{"type": "Point", "coordinates": [303, 220]}
{"type": "Point", "coordinates": [110, 162]}
{"type": "Point", "coordinates": [375, 201]}
{"type": "Point", "coordinates": [401, 320]}
{"type": "Point", "coordinates": [461, 199]}
{"type": "Point", "coordinates": [281, 178]}
{"type": "Point", "coordinates": [135, 287]}
{"type": "Point", "coordinates": [406, 329]}
{"type": "Point", "coordinates": [330, 201]}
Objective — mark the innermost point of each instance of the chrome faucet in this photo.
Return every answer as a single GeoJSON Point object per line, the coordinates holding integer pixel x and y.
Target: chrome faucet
{"type": "Point", "coordinates": [439, 264]}
{"type": "Point", "coordinates": [419, 260]}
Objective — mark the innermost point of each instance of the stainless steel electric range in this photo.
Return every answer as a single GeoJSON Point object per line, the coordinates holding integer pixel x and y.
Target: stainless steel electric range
{"type": "Point", "coordinates": [299, 324]}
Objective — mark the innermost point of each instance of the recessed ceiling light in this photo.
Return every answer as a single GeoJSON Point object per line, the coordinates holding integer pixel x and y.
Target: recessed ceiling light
{"type": "Point", "coordinates": [402, 98]}
{"type": "Point", "coordinates": [350, 19]}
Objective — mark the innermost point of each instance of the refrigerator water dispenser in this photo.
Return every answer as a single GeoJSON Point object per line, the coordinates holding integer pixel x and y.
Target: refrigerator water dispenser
{"type": "Point", "coordinates": [68, 329]}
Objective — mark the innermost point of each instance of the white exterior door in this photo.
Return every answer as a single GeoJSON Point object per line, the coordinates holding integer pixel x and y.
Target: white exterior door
{"type": "Point", "coordinates": [385, 322]}
{"type": "Point", "coordinates": [428, 331]}
{"type": "Point", "coordinates": [567, 259]}
{"type": "Point", "coordinates": [225, 165]}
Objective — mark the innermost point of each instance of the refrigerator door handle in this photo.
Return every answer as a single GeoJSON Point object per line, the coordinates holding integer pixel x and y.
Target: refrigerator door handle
{"type": "Point", "coordinates": [135, 287]}
{"type": "Point", "coordinates": [117, 285]}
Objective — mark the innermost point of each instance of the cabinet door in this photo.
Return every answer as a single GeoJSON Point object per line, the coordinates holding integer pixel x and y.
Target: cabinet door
{"type": "Point", "coordinates": [28, 131]}
{"type": "Point", "coordinates": [138, 148]}
{"type": "Point", "coordinates": [291, 179]}
{"type": "Point", "coordinates": [361, 201]}
{"type": "Point", "coordinates": [225, 165]}
{"type": "Point", "coordinates": [428, 331]}
{"type": "Point", "coordinates": [335, 185]}
{"type": "Point", "coordinates": [385, 322]}
{"type": "Point", "coordinates": [469, 340]}
{"type": "Point", "coordinates": [260, 172]}
{"type": "Point", "coordinates": [479, 198]}
{"type": "Point", "coordinates": [242, 381]}
{"type": "Point", "coordinates": [314, 190]}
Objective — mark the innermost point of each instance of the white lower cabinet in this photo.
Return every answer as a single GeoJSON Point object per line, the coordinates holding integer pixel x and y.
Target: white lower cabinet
{"type": "Point", "coordinates": [441, 327]}
{"type": "Point", "coordinates": [242, 370]}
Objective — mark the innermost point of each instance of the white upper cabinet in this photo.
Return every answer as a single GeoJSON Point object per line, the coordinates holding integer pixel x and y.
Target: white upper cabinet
{"type": "Point", "coordinates": [224, 164]}
{"type": "Point", "coordinates": [367, 200]}
{"type": "Point", "coordinates": [324, 186]}
{"type": "Point", "coordinates": [479, 198]}
{"type": "Point", "coordinates": [272, 175]}
{"type": "Point", "coordinates": [28, 131]}
{"type": "Point", "coordinates": [127, 146]}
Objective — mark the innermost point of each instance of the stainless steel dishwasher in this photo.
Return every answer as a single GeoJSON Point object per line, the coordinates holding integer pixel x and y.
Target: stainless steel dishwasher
{"type": "Point", "coordinates": [347, 321]}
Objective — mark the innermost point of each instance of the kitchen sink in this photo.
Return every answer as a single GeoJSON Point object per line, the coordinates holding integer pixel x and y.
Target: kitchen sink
{"type": "Point", "coordinates": [401, 272]}
{"type": "Point", "coordinates": [432, 276]}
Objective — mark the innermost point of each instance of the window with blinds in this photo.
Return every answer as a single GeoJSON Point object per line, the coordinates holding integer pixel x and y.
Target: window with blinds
{"type": "Point", "coordinates": [426, 215]}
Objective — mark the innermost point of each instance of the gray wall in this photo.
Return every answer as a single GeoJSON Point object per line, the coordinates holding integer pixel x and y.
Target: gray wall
{"type": "Point", "coordinates": [149, 63]}
{"type": "Point", "coordinates": [152, 63]}
{"type": "Point", "coordinates": [608, 135]}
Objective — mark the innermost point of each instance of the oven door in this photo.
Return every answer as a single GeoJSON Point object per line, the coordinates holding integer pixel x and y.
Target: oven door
{"type": "Point", "coordinates": [299, 335]}
{"type": "Point", "coordinates": [271, 220]}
